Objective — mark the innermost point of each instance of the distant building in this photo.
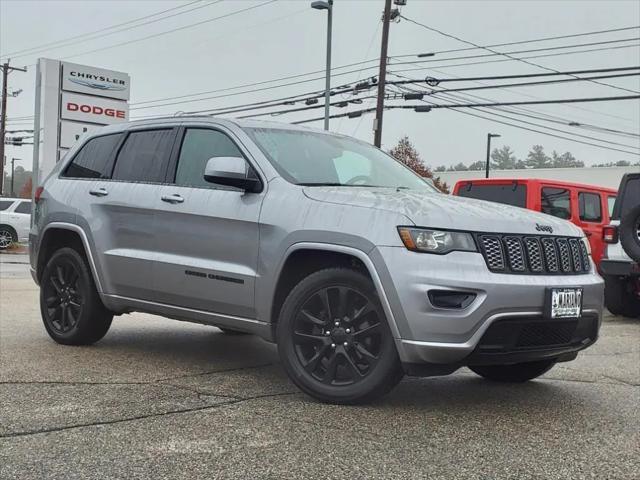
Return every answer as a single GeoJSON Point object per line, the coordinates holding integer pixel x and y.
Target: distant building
{"type": "Point", "coordinates": [603, 177]}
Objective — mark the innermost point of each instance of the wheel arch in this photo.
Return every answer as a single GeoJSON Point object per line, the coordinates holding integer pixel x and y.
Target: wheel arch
{"type": "Point", "coordinates": [302, 259]}
{"type": "Point", "coordinates": [60, 234]}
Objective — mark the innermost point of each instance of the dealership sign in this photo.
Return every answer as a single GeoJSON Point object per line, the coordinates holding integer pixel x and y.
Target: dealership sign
{"type": "Point", "coordinates": [72, 100]}
{"type": "Point", "coordinates": [93, 109]}
{"type": "Point", "coordinates": [95, 81]}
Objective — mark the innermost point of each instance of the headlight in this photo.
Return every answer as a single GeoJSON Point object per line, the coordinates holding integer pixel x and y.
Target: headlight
{"type": "Point", "coordinates": [436, 241]}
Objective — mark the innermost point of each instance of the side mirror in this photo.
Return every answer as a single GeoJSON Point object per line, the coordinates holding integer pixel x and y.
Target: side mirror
{"type": "Point", "coordinates": [232, 172]}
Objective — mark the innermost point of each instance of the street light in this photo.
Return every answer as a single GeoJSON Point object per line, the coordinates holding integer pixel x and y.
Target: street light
{"type": "Point", "coordinates": [489, 137]}
{"type": "Point", "coordinates": [328, 6]}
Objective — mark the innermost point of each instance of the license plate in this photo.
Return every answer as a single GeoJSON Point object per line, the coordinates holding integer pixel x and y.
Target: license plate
{"type": "Point", "coordinates": [564, 302]}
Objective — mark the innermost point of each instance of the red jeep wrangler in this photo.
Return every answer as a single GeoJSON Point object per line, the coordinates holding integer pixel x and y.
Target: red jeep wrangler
{"type": "Point", "coordinates": [588, 206]}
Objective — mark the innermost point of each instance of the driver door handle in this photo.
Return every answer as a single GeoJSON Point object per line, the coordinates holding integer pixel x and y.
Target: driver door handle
{"type": "Point", "coordinates": [98, 192]}
{"type": "Point", "coordinates": [172, 198]}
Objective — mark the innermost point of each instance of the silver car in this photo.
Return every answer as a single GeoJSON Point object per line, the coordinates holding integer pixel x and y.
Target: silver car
{"type": "Point", "coordinates": [355, 266]}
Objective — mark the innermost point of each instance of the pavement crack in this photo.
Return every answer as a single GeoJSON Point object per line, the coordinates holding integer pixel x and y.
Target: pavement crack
{"type": "Point", "coordinates": [143, 417]}
{"type": "Point", "coordinates": [211, 372]}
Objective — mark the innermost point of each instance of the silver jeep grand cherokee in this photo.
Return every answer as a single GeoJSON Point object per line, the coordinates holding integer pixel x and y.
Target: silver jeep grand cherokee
{"type": "Point", "coordinates": [355, 266]}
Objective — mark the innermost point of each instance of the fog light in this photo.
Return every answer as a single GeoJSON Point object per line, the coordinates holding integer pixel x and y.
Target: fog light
{"type": "Point", "coordinates": [451, 299]}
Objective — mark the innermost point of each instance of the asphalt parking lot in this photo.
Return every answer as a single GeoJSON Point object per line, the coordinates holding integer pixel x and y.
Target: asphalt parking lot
{"type": "Point", "coordinates": [163, 399]}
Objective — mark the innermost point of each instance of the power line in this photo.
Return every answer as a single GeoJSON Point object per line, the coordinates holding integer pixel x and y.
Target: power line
{"type": "Point", "coordinates": [504, 54]}
{"type": "Point", "coordinates": [532, 50]}
{"type": "Point", "coordinates": [520, 42]}
{"type": "Point", "coordinates": [450, 96]}
{"type": "Point", "coordinates": [98, 33]}
{"type": "Point", "coordinates": [485, 62]}
{"type": "Point", "coordinates": [315, 95]}
{"type": "Point", "coordinates": [433, 105]}
{"type": "Point", "coordinates": [521, 84]}
{"type": "Point", "coordinates": [537, 102]}
{"type": "Point", "coordinates": [155, 35]}
{"type": "Point", "coordinates": [289, 77]}
{"type": "Point", "coordinates": [475, 80]}
{"type": "Point", "coordinates": [344, 89]}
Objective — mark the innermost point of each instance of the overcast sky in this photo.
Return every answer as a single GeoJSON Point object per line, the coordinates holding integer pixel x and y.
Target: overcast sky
{"type": "Point", "coordinates": [286, 38]}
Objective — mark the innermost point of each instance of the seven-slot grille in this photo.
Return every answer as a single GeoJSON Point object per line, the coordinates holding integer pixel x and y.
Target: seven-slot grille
{"type": "Point", "coordinates": [534, 254]}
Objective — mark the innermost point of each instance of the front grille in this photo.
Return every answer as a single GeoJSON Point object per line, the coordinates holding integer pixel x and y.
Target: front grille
{"type": "Point", "coordinates": [534, 254]}
{"type": "Point", "coordinates": [546, 334]}
{"type": "Point", "coordinates": [516, 334]}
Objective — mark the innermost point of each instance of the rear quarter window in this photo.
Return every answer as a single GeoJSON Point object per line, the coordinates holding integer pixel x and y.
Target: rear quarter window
{"type": "Point", "coordinates": [4, 204]}
{"type": "Point", "coordinates": [24, 207]}
{"type": "Point", "coordinates": [95, 158]}
{"type": "Point", "coordinates": [510, 194]}
{"type": "Point", "coordinates": [590, 207]}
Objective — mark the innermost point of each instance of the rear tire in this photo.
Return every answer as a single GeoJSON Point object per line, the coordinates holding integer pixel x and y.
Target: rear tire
{"type": "Point", "coordinates": [517, 373]}
{"type": "Point", "coordinates": [334, 340]}
{"type": "Point", "coordinates": [630, 233]}
{"type": "Point", "coordinates": [71, 309]}
{"type": "Point", "coordinates": [619, 297]}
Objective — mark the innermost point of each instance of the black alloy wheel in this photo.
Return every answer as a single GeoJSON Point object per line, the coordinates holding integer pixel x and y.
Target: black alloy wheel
{"type": "Point", "coordinates": [338, 335]}
{"type": "Point", "coordinates": [334, 339]}
{"type": "Point", "coordinates": [64, 296]}
{"type": "Point", "coordinates": [71, 308]}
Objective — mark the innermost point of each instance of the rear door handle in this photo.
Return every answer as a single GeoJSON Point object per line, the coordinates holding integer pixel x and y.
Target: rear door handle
{"type": "Point", "coordinates": [172, 198]}
{"type": "Point", "coordinates": [98, 192]}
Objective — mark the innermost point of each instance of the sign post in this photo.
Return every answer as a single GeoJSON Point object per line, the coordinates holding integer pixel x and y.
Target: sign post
{"type": "Point", "coordinates": [72, 100]}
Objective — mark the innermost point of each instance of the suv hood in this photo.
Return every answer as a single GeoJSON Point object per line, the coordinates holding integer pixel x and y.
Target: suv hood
{"type": "Point", "coordinates": [435, 210]}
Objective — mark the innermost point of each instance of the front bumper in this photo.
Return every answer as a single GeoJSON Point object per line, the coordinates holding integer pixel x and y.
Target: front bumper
{"type": "Point", "coordinates": [429, 335]}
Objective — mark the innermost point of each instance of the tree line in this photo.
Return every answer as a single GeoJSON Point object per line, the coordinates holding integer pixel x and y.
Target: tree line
{"type": "Point", "coordinates": [505, 159]}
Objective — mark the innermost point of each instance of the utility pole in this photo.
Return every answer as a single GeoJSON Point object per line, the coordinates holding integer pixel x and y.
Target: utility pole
{"type": "Point", "coordinates": [13, 174]}
{"type": "Point", "coordinates": [3, 114]}
{"type": "Point", "coordinates": [489, 137]}
{"type": "Point", "coordinates": [382, 75]}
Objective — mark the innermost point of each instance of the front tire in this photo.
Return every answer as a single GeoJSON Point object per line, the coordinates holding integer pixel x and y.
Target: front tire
{"type": "Point", "coordinates": [334, 340]}
{"type": "Point", "coordinates": [517, 373]}
{"type": "Point", "coordinates": [71, 309]}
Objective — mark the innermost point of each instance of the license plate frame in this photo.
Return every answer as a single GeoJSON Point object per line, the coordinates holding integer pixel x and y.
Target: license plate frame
{"type": "Point", "coordinates": [563, 303]}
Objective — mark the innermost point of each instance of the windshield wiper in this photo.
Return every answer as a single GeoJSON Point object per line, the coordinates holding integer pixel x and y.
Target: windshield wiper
{"type": "Point", "coordinates": [321, 184]}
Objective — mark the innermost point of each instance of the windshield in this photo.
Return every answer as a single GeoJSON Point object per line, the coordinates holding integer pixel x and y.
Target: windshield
{"type": "Point", "coordinates": [511, 194]}
{"type": "Point", "coordinates": [310, 158]}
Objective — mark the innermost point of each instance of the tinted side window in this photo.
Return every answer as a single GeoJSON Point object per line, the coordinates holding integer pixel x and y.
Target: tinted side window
{"type": "Point", "coordinates": [556, 202]}
{"type": "Point", "coordinates": [95, 158]}
{"type": "Point", "coordinates": [509, 194]}
{"type": "Point", "coordinates": [4, 204]}
{"type": "Point", "coordinates": [144, 156]}
{"type": "Point", "coordinates": [198, 146]}
{"type": "Point", "coordinates": [590, 207]}
{"type": "Point", "coordinates": [24, 207]}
